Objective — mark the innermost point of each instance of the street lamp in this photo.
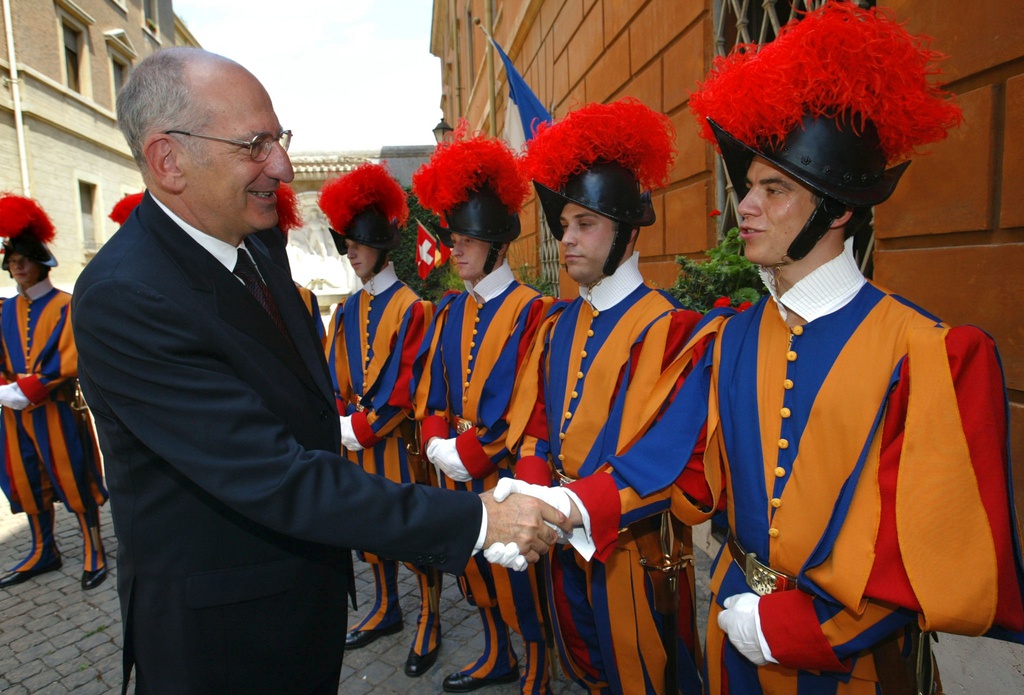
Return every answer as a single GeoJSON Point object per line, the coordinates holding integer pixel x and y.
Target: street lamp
{"type": "Point", "coordinates": [441, 130]}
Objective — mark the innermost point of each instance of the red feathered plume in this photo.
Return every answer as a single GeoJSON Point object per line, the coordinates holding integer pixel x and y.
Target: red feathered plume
{"type": "Point", "coordinates": [124, 207]}
{"type": "Point", "coordinates": [19, 215]}
{"type": "Point", "coordinates": [368, 185]}
{"type": "Point", "coordinates": [626, 131]}
{"type": "Point", "coordinates": [838, 58]}
{"type": "Point", "coordinates": [466, 163]}
{"type": "Point", "coordinates": [288, 215]}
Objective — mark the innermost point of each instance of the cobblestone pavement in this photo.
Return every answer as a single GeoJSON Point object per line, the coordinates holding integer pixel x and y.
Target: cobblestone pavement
{"type": "Point", "coordinates": [57, 639]}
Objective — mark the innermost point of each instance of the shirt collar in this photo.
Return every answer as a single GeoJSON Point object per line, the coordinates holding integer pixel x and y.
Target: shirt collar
{"type": "Point", "coordinates": [825, 290]}
{"type": "Point", "coordinates": [40, 289]}
{"type": "Point", "coordinates": [493, 284]}
{"type": "Point", "coordinates": [381, 281]}
{"type": "Point", "coordinates": [224, 252]}
{"type": "Point", "coordinates": [609, 291]}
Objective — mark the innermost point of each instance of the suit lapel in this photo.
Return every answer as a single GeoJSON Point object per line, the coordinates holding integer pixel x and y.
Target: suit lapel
{"type": "Point", "coordinates": [296, 317]}
{"type": "Point", "coordinates": [236, 307]}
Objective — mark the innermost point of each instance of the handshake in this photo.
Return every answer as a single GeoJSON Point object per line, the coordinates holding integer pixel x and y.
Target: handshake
{"type": "Point", "coordinates": [523, 520]}
{"type": "Point", "coordinates": [532, 518]}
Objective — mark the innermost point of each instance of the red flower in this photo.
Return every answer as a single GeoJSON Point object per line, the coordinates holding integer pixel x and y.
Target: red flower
{"type": "Point", "coordinates": [722, 302]}
{"type": "Point", "coordinates": [744, 306]}
{"type": "Point", "coordinates": [715, 213]}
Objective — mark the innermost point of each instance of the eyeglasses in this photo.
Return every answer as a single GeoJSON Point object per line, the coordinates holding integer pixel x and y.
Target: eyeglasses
{"type": "Point", "coordinates": [259, 146]}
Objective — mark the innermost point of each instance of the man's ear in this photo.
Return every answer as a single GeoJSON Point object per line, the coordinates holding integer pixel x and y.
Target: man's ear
{"type": "Point", "coordinates": [842, 220]}
{"type": "Point", "coordinates": [162, 154]}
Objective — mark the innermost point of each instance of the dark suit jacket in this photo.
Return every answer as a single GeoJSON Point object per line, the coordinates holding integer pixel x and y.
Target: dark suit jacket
{"type": "Point", "coordinates": [232, 508]}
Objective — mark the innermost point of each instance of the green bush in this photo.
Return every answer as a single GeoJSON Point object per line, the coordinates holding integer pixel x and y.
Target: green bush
{"type": "Point", "coordinates": [530, 275]}
{"type": "Point", "coordinates": [441, 279]}
{"type": "Point", "coordinates": [726, 273]}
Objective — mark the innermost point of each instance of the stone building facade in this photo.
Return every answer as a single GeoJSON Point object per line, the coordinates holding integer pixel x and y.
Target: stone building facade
{"type": "Point", "coordinates": [951, 238]}
{"type": "Point", "coordinates": [62, 63]}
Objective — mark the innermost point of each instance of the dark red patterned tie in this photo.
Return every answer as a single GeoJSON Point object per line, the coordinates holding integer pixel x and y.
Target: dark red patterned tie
{"type": "Point", "coordinates": [245, 269]}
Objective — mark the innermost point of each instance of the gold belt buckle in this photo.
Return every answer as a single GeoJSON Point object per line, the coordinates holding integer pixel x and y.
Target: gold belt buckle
{"type": "Point", "coordinates": [357, 401]}
{"type": "Point", "coordinates": [761, 578]}
{"type": "Point", "coordinates": [462, 425]}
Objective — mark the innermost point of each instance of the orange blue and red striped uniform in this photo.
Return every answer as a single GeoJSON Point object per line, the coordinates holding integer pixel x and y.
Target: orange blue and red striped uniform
{"type": "Point", "coordinates": [864, 453]}
{"type": "Point", "coordinates": [371, 336]}
{"type": "Point", "coordinates": [309, 300]}
{"type": "Point", "coordinates": [466, 371]}
{"type": "Point", "coordinates": [50, 449]}
{"type": "Point", "coordinates": [576, 407]}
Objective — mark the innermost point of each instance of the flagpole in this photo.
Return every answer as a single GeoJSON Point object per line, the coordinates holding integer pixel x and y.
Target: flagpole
{"type": "Point", "coordinates": [487, 29]}
{"type": "Point", "coordinates": [458, 63]}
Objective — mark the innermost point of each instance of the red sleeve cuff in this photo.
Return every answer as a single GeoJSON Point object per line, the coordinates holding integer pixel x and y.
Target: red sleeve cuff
{"type": "Point", "coordinates": [793, 632]}
{"type": "Point", "coordinates": [33, 388]}
{"type": "Point", "coordinates": [433, 426]}
{"type": "Point", "coordinates": [533, 470]}
{"type": "Point", "coordinates": [478, 464]}
{"type": "Point", "coordinates": [600, 495]}
{"type": "Point", "coordinates": [363, 431]}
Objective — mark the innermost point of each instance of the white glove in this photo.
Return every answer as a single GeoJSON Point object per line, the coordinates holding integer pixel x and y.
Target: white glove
{"type": "Point", "coordinates": [562, 500]}
{"type": "Point", "coordinates": [443, 454]}
{"type": "Point", "coordinates": [742, 624]}
{"type": "Point", "coordinates": [348, 435]}
{"type": "Point", "coordinates": [11, 396]}
{"type": "Point", "coordinates": [506, 556]}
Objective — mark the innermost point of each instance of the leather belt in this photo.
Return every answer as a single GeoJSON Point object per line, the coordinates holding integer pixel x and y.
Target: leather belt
{"type": "Point", "coordinates": [761, 578]}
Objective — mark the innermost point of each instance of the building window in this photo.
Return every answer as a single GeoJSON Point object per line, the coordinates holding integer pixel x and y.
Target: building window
{"type": "Point", "coordinates": [122, 53]}
{"type": "Point", "coordinates": [119, 73]}
{"type": "Point", "coordinates": [73, 57]}
{"type": "Point", "coordinates": [87, 206]}
{"type": "Point", "coordinates": [149, 15]}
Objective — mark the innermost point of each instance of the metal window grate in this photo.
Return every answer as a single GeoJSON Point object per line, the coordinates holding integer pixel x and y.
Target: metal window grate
{"type": "Point", "coordinates": [759, 21]}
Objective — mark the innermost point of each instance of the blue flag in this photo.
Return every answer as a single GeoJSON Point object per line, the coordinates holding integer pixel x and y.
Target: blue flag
{"type": "Point", "coordinates": [524, 112]}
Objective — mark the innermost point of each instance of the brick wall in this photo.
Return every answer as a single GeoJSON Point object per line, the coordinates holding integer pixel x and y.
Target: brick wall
{"type": "Point", "coordinates": [952, 236]}
{"type": "Point", "coordinates": [573, 52]}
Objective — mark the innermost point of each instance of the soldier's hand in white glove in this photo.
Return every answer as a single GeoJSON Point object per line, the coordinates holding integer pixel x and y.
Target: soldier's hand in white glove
{"type": "Point", "coordinates": [506, 555]}
{"type": "Point", "coordinates": [564, 501]}
{"type": "Point", "coordinates": [443, 454]}
{"type": "Point", "coordinates": [12, 397]}
{"type": "Point", "coordinates": [348, 435]}
{"type": "Point", "coordinates": [741, 623]}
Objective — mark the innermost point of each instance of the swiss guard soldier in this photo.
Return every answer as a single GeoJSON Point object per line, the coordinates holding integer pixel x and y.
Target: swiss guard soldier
{"type": "Point", "coordinates": [622, 588]}
{"type": "Point", "coordinates": [465, 375]}
{"type": "Point", "coordinates": [373, 337]}
{"type": "Point", "coordinates": [50, 449]}
{"type": "Point", "coordinates": [858, 442]}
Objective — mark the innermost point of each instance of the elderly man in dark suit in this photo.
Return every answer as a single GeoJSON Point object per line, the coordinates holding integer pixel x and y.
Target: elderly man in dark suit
{"type": "Point", "coordinates": [217, 418]}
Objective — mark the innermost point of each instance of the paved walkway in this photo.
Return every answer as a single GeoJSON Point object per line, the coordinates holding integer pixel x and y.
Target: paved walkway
{"type": "Point", "coordinates": [57, 639]}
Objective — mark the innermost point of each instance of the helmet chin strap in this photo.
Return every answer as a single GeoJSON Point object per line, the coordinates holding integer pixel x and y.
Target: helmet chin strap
{"type": "Point", "coordinates": [827, 212]}
{"type": "Point", "coordinates": [619, 243]}
{"type": "Point", "coordinates": [382, 260]}
{"type": "Point", "coordinates": [492, 258]}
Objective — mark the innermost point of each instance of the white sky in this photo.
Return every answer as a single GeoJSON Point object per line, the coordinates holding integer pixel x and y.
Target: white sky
{"type": "Point", "coordinates": [343, 74]}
